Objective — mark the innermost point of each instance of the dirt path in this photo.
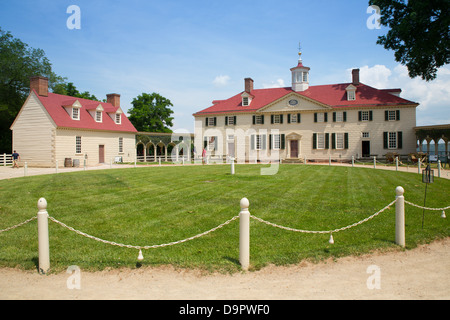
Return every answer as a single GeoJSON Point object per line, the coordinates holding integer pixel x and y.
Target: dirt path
{"type": "Point", "coordinates": [421, 273]}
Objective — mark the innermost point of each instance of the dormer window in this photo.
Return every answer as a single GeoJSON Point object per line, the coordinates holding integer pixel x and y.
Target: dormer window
{"type": "Point", "coordinates": [76, 114]}
{"type": "Point", "coordinates": [118, 118]}
{"type": "Point", "coordinates": [351, 93]}
{"type": "Point", "coordinates": [246, 99]}
{"type": "Point", "coordinates": [96, 112]}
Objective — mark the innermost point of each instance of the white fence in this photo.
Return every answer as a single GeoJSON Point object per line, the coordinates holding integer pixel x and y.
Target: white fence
{"type": "Point", "coordinates": [244, 229]}
{"type": "Point", "coordinates": [6, 159]}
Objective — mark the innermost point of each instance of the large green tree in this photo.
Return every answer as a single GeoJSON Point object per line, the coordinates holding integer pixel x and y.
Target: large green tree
{"type": "Point", "coordinates": [419, 34]}
{"type": "Point", "coordinates": [69, 89]}
{"type": "Point", "coordinates": [18, 62]}
{"type": "Point", "coordinates": [151, 113]}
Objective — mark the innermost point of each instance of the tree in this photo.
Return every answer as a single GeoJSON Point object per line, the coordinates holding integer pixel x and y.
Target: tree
{"type": "Point", "coordinates": [419, 34]}
{"type": "Point", "coordinates": [18, 62]}
{"type": "Point", "coordinates": [69, 89]}
{"type": "Point", "coordinates": [151, 113]}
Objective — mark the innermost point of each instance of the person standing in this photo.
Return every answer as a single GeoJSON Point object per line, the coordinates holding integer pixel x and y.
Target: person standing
{"type": "Point", "coordinates": [16, 158]}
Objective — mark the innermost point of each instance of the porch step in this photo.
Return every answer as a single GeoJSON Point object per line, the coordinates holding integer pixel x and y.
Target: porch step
{"type": "Point", "coordinates": [292, 160]}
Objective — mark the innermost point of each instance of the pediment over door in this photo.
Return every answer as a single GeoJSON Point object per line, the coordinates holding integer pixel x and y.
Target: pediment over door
{"type": "Point", "coordinates": [293, 136]}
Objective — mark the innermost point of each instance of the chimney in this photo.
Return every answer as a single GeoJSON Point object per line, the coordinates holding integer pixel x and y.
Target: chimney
{"type": "Point", "coordinates": [40, 85]}
{"type": "Point", "coordinates": [248, 84]}
{"type": "Point", "coordinates": [355, 77]}
{"type": "Point", "coordinates": [114, 99]}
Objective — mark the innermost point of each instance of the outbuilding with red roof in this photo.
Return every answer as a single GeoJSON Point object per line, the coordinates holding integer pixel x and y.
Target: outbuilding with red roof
{"type": "Point", "coordinates": [53, 128]}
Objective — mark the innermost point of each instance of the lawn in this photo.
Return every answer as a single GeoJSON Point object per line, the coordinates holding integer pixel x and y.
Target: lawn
{"type": "Point", "coordinates": [156, 205]}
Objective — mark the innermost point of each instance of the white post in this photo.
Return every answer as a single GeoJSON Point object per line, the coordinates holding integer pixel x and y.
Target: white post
{"type": "Point", "coordinates": [244, 234]}
{"type": "Point", "coordinates": [374, 162]}
{"type": "Point", "coordinates": [439, 168]}
{"type": "Point", "coordinates": [396, 163]}
{"type": "Point", "coordinates": [84, 164]}
{"type": "Point", "coordinates": [400, 217]}
{"type": "Point", "coordinates": [159, 161]}
{"type": "Point", "coordinates": [232, 165]}
{"type": "Point", "coordinates": [44, 251]}
{"type": "Point", "coordinates": [329, 160]}
{"type": "Point", "coordinates": [4, 159]}
{"type": "Point", "coordinates": [353, 161]}
{"type": "Point", "coordinates": [25, 169]}
{"type": "Point", "coordinates": [419, 165]}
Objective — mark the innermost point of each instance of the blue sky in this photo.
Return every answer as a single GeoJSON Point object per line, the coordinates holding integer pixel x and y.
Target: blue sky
{"type": "Point", "coordinates": [193, 52]}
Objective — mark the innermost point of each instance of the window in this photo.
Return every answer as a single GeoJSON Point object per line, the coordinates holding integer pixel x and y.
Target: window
{"type": "Point", "coordinates": [321, 140]}
{"type": "Point", "coordinates": [276, 118]}
{"type": "Point", "coordinates": [118, 118]}
{"type": "Point", "coordinates": [120, 145]}
{"type": "Point", "coordinates": [365, 115]}
{"type": "Point", "coordinates": [75, 114]}
{"type": "Point", "coordinates": [365, 135]}
{"type": "Point", "coordinates": [210, 121]}
{"type": "Point", "coordinates": [339, 141]}
{"type": "Point", "coordinates": [277, 141]}
{"type": "Point", "coordinates": [294, 118]}
{"type": "Point", "coordinates": [392, 140]}
{"type": "Point", "coordinates": [78, 144]}
{"type": "Point", "coordinates": [258, 142]}
{"type": "Point", "coordinates": [340, 116]}
{"type": "Point", "coordinates": [258, 119]}
{"type": "Point", "coordinates": [210, 143]}
{"type": "Point", "coordinates": [98, 116]}
{"type": "Point", "coordinates": [230, 120]}
{"type": "Point", "coordinates": [392, 143]}
{"type": "Point", "coordinates": [305, 76]}
{"type": "Point", "coordinates": [321, 117]}
{"type": "Point", "coordinates": [245, 101]}
{"type": "Point", "coordinates": [392, 115]}
{"type": "Point", "coordinates": [351, 95]}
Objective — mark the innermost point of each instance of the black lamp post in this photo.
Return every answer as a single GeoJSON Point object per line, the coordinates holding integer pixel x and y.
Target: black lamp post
{"type": "Point", "coordinates": [427, 177]}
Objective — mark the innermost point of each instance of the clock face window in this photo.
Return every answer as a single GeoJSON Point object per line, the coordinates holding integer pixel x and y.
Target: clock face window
{"type": "Point", "coordinates": [293, 102]}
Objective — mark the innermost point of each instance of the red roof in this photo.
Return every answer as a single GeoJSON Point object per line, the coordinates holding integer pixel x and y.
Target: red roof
{"type": "Point", "coordinates": [54, 103]}
{"type": "Point", "coordinates": [334, 96]}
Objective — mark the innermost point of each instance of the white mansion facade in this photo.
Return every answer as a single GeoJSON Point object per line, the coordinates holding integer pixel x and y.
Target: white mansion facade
{"type": "Point", "coordinates": [334, 121]}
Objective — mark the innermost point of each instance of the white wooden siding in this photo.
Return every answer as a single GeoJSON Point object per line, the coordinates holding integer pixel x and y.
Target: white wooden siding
{"type": "Point", "coordinates": [33, 134]}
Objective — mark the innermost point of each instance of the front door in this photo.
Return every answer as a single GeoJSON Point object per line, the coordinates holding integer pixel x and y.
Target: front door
{"type": "Point", "coordinates": [294, 148]}
{"type": "Point", "coordinates": [366, 148]}
{"type": "Point", "coordinates": [101, 153]}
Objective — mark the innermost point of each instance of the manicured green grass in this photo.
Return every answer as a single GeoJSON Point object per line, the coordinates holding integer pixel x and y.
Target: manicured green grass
{"type": "Point", "coordinates": [155, 205]}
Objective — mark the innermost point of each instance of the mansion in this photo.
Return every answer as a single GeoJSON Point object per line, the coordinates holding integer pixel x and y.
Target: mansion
{"type": "Point", "coordinates": [322, 122]}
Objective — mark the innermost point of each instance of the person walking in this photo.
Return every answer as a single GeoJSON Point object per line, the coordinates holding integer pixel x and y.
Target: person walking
{"type": "Point", "coordinates": [16, 158]}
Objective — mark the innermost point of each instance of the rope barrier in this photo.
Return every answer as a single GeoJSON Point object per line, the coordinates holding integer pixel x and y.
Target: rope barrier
{"type": "Point", "coordinates": [426, 208]}
{"type": "Point", "coordinates": [326, 231]}
{"type": "Point", "coordinates": [142, 247]}
{"type": "Point", "coordinates": [18, 225]}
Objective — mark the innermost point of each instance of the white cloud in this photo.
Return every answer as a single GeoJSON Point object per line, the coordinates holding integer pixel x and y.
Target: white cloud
{"type": "Point", "coordinates": [221, 81]}
{"type": "Point", "coordinates": [376, 76]}
{"type": "Point", "coordinates": [279, 83]}
{"type": "Point", "coordinates": [433, 96]}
